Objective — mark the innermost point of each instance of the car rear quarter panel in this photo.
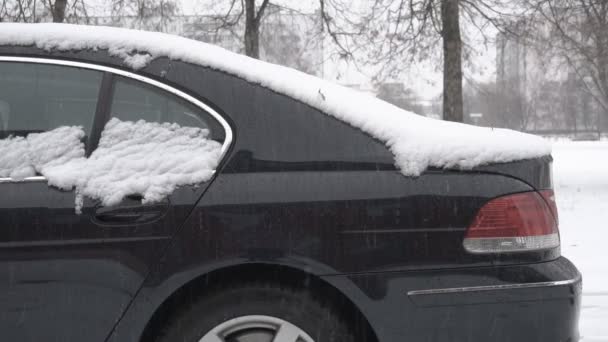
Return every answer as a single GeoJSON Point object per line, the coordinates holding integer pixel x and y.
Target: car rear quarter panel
{"type": "Point", "coordinates": [304, 190]}
{"type": "Point", "coordinates": [301, 182]}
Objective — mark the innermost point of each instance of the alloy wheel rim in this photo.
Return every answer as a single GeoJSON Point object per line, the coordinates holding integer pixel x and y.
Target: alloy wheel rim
{"type": "Point", "coordinates": [256, 328]}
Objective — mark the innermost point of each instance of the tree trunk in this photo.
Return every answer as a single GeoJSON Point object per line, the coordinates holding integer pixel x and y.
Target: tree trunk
{"type": "Point", "coordinates": [603, 80]}
{"type": "Point", "coordinates": [452, 61]}
{"type": "Point", "coordinates": [602, 120]}
{"type": "Point", "coordinates": [252, 30]}
{"type": "Point", "coordinates": [59, 11]}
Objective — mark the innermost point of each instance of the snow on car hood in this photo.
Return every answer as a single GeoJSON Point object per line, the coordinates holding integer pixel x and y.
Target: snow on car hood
{"type": "Point", "coordinates": [133, 158]}
{"type": "Point", "coordinates": [417, 142]}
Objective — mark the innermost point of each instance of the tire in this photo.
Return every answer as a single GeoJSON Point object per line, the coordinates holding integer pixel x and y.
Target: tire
{"type": "Point", "coordinates": [264, 307]}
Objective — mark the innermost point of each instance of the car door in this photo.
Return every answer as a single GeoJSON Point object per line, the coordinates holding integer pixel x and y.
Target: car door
{"type": "Point", "coordinates": [67, 275]}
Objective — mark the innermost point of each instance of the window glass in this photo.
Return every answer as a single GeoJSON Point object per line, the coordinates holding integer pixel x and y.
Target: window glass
{"type": "Point", "coordinates": [133, 101]}
{"type": "Point", "coordinates": [42, 97]}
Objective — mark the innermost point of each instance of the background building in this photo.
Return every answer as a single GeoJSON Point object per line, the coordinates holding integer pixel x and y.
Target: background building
{"type": "Point", "coordinates": [539, 91]}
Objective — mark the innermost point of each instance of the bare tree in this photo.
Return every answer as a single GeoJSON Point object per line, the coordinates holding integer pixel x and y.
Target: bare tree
{"type": "Point", "coordinates": [264, 30]}
{"type": "Point", "coordinates": [58, 10]}
{"type": "Point", "coordinates": [577, 30]}
{"type": "Point", "coordinates": [20, 11]}
{"type": "Point", "coordinates": [390, 34]}
{"type": "Point", "coordinates": [292, 38]}
{"type": "Point", "coordinates": [43, 10]}
{"type": "Point", "coordinates": [144, 14]}
{"type": "Point", "coordinates": [452, 61]}
{"type": "Point", "coordinates": [252, 12]}
{"type": "Point", "coordinates": [253, 18]}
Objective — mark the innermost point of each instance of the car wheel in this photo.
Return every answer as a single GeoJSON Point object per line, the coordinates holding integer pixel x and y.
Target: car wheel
{"type": "Point", "coordinates": [257, 313]}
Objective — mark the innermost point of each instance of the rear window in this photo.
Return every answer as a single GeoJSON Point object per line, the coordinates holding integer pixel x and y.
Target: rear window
{"type": "Point", "coordinates": [134, 101]}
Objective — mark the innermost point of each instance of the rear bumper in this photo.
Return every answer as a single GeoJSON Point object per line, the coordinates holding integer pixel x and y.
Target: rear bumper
{"type": "Point", "coordinates": [535, 303]}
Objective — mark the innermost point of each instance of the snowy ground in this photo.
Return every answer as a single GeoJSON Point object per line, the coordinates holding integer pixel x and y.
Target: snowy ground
{"type": "Point", "coordinates": [581, 183]}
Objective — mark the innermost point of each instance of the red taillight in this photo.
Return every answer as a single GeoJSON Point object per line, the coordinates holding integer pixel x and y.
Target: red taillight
{"type": "Point", "coordinates": [549, 198]}
{"type": "Point", "coordinates": [514, 223]}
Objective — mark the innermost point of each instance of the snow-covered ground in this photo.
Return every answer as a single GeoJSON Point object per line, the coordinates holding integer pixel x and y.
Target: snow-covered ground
{"type": "Point", "coordinates": [581, 183]}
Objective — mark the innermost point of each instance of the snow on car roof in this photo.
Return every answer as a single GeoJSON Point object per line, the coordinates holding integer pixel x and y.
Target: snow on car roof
{"type": "Point", "coordinates": [417, 142]}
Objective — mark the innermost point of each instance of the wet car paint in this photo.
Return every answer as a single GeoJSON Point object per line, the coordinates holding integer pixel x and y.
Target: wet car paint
{"type": "Point", "coordinates": [298, 189]}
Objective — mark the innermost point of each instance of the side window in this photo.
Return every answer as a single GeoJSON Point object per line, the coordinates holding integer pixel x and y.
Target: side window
{"type": "Point", "coordinates": [134, 100]}
{"type": "Point", "coordinates": [41, 97]}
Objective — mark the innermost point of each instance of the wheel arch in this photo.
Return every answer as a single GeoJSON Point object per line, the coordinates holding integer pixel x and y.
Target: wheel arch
{"type": "Point", "coordinates": [259, 272]}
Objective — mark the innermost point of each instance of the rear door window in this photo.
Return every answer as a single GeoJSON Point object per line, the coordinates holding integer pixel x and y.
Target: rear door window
{"type": "Point", "coordinates": [134, 101]}
{"type": "Point", "coordinates": [37, 98]}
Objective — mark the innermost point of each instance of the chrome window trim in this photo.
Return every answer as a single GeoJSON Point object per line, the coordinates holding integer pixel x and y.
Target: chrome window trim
{"type": "Point", "coordinates": [567, 282]}
{"type": "Point", "coordinates": [27, 179]}
{"type": "Point", "coordinates": [86, 65]}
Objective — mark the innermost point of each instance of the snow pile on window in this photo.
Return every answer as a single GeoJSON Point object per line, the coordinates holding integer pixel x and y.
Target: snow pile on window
{"type": "Point", "coordinates": [133, 158]}
{"type": "Point", "coordinates": [22, 157]}
{"type": "Point", "coordinates": [417, 142]}
{"type": "Point", "coordinates": [140, 158]}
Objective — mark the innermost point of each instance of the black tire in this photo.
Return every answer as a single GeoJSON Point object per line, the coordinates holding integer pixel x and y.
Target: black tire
{"type": "Point", "coordinates": [298, 307]}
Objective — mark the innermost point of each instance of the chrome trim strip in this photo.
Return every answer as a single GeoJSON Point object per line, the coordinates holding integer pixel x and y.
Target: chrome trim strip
{"type": "Point", "coordinates": [27, 179]}
{"type": "Point", "coordinates": [85, 65]}
{"type": "Point", "coordinates": [496, 287]}
{"type": "Point", "coordinates": [74, 242]}
{"type": "Point", "coordinates": [412, 230]}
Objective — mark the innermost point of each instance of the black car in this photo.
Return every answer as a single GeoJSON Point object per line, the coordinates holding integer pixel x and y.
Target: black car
{"type": "Point", "coordinates": [306, 232]}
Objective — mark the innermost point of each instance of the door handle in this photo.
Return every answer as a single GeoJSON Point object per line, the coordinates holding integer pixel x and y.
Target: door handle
{"type": "Point", "coordinates": [118, 217]}
{"type": "Point", "coordinates": [131, 214]}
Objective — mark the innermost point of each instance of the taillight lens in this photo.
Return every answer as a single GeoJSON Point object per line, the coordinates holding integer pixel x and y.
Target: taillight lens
{"type": "Point", "coordinates": [549, 198]}
{"type": "Point", "coordinates": [514, 223]}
